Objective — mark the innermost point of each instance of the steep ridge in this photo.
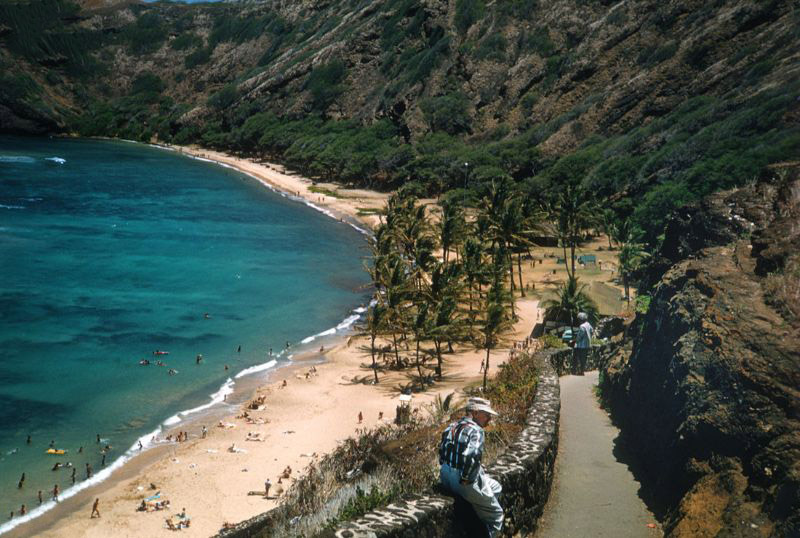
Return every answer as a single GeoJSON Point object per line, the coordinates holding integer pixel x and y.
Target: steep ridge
{"type": "Point", "coordinates": [709, 395]}
{"type": "Point", "coordinates": [666, 101]}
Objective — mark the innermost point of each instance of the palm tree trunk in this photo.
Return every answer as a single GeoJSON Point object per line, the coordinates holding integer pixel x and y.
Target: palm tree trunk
{"type": "Point", "coordinates": [572, 256]}
{"type": "Point", "coordinates": [519, 273]}
{"type": "Point", "coordinates": [511, 271]}
{"type": "Point", "coordinates": [374, 364]}
{"type": "Point", "coordinates": [419, 366]}
{"type": "Point", "coordinates": [566, 262]}
{"type": "Point", "coordinates": [627, 290]}
{"type": "Point", "coordinates": [486, 369]}
{"type": "Point", "coordinates": [396, 351]}
{"type": "Point", "coordinates": [438, 345]}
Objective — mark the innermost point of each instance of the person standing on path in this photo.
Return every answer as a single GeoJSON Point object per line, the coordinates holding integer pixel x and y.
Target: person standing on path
{"type": "Point", "coordinates": [461, 472]}
{"type": "Point", "coordinates": [582, 344]}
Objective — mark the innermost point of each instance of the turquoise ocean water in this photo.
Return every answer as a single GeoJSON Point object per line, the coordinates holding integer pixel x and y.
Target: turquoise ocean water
{"type": "Point", "coordinates": [110, 250]}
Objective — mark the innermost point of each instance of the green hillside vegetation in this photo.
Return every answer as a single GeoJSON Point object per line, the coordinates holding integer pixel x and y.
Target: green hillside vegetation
{"type": "Point", "coordinates": [447, 98]}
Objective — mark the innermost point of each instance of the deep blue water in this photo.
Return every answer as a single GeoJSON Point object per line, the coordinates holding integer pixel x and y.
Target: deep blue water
{"type": "Point", "coordinates": [121, 250]}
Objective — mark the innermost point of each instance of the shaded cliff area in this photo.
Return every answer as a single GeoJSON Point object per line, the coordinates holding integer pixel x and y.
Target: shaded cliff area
{"type": "Point", "coordinates": [709, 391]}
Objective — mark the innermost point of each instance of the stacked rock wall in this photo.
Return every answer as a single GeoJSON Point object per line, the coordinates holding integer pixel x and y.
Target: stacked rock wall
{"type": "Point", "coordinates": [525, 471]}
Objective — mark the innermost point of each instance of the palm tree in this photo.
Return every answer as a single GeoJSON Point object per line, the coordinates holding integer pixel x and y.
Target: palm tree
{"type": "Point", "coordinates": [496, 322]}
{"type": "Point", "coordinates": [571, 298]}
{"type": "Point", "coordinates": [395, 298]}
{"type": "Point", "coordinates": [622, 231]}
{"type": "Point", "coordinates": [630, 256]}
{"type": "Point", "coordinates": [374, 327]}
{"type": "Point", "coordinates": [573, 211]}
{"type": "Point", "coordinates": [451, 227]}
{"type": "Point", "coordinates": [608, 221]}
{"type": "Point", "coordinates": [420, 329]}
{"type": "Point", "coordinates": [443, 295]}
{"type": "Point", "coordinates": [474, 269]}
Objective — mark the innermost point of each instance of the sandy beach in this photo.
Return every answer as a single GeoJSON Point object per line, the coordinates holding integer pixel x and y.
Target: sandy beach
{"type": "Point", "coordinates": [306, 417]}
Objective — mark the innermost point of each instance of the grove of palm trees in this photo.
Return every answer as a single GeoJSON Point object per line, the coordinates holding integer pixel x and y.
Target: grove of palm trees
{"type": "Point", "coordinates": [449, 274]}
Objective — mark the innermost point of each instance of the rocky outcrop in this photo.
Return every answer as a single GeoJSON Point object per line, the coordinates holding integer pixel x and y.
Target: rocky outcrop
{"type": "Point", "coordinates": [709, 393]}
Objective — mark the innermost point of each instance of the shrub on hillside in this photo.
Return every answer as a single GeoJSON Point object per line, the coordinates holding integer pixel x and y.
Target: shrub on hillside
{"type": "Point", "coordinates": [324, 83]}
{"type": "Point", "coordinates": [448, 113]}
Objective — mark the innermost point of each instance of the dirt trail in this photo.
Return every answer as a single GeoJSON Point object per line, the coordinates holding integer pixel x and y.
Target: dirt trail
{"type": "Point", "coordinates": [593, 493]}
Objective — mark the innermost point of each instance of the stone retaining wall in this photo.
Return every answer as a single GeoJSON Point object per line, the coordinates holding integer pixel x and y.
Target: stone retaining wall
{"type": "Point", "coordinates": [525, 471]}
{"type": "Point", "coordinates": [561, 360]}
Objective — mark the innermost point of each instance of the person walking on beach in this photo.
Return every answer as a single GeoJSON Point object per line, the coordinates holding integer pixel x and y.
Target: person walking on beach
{"type": "Point", "coordinates": [205, 432]}
{"type": "Point", "coordinates": [461, 472]}
{"type": "Point", "coordinates": [360, 417]}
{"type": "Point", "coordinates": [55, 493]}
{"type": "Point", "coordinates": [95, 509]}
{"type": "Point", "coordinates": [582, 344]}
{"type": "Point", "coordinates": [267, 485]}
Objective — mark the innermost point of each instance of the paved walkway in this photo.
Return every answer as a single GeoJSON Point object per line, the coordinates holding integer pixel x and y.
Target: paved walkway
{"type": "Point", "coordinates": [593, 494]}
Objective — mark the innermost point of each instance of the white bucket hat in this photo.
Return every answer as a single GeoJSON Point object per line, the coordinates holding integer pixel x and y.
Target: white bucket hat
{"type": "Point", "coordinates": [480, 404]}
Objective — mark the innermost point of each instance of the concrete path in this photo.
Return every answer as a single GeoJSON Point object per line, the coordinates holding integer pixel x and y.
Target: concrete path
{"type": "Point", "coordinates": [593, 494]}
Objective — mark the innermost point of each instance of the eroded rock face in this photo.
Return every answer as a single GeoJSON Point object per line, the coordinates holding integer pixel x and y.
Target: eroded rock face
{"type": "Point", "coordinates": [710, 392]}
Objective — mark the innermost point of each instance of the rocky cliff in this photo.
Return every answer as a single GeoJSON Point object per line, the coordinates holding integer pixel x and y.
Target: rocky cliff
{"type": "Point", "coordinates": [647, 103]}
{"type": "Point", "coordinates": [709, 394]}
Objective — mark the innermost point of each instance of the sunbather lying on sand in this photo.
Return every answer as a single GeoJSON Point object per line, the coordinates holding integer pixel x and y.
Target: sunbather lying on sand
{"type": "Point", "coordinates": [255, 436]}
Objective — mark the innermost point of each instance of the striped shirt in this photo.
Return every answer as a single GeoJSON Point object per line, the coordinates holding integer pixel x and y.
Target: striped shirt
{"type": "Point", "coordinates": [462, 448]}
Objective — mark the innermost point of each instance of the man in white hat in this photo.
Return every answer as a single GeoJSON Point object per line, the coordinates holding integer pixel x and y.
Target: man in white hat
{"type": "Point", "coordinates": [460, 458]}
{"type": "Point", "coordinates": [582, 343]}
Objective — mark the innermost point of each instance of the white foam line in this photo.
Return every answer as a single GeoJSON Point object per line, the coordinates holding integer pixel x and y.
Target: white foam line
{"type": "Point", "coordinates": [348, 322]}
{"type": "Point", "coordinates": [257, 368]}
{"type": "Point", "coordinates": [217, 397]}
{"type": "Point", "coordinates": [100, 476]}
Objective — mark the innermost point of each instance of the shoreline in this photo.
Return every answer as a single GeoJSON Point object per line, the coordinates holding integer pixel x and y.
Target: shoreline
{"type": "Point", "coordinates": [132, 462]}
{"type": "Point", "coordinates": [310, 416]}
